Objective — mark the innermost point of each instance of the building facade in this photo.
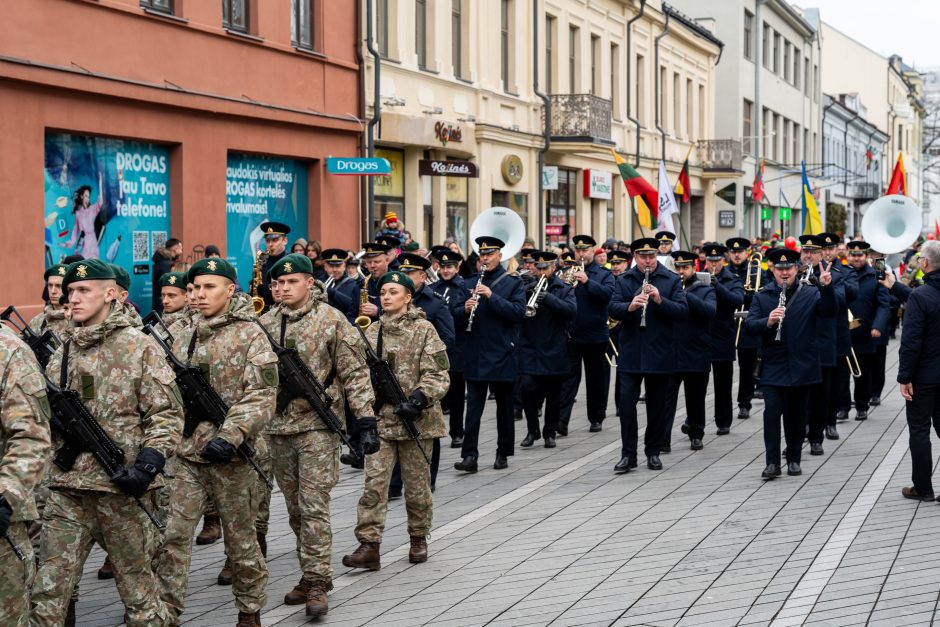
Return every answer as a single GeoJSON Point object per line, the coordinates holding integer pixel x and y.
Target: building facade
{"type": "Point", "coordinates": [197, 120]}
{"type": "Point", "coordinates": [444, 102]}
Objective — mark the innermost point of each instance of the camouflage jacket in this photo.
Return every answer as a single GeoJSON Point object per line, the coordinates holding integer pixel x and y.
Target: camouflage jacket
{"type": "Point", "coordinates": [50, 318]}
{"type": "Point", "coordinates": [179, 322]}
{"type": "Point", "coordinates": [419, 359]}
{"type": "Point", "coordinates": [124, 380]}
{"type": "Point", "coordinates": [331, 349]}
{"type": "Point", "coordinates": [242, 369]}
{"type": "Point", "coordinates": [24, 425]}
{"type": "Point", "coordinates": [131, 314]}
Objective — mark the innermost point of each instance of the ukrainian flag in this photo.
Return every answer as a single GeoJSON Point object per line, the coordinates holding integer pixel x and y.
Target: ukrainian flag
{"type": "Point", "coordinates": [812, 223]}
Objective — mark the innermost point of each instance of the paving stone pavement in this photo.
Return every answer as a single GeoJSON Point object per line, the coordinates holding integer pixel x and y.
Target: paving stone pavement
{"type": "Point", "coordinates": [558, 539]}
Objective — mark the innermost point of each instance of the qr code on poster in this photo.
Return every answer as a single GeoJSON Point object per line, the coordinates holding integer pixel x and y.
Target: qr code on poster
{"type": "Point", "coordinates": [141, 246]}
{"type": "Point", "coordinates": [158, 239]}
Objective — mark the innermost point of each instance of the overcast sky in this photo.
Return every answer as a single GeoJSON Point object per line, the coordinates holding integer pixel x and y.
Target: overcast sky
{"type": "Point", "coordinates": [905, 27]}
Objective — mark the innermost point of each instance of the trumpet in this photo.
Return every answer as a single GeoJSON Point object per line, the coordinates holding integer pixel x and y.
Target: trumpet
{"type": "Point", "coordinates": [532, 307]}
{"type": "Point", "coordinates": [363, 321]}
{"type": "Point", "coordinates": [753, 271]}
{"type": "Point", "coordinates": [646, 282]}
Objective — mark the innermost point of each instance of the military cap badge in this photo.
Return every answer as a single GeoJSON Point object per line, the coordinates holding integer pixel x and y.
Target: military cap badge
{"type": "Point", "coordinates": [288, 268]}
{"type": "Point", "coordinates": [61, 270]}
{"type": "Point", "coordinates": [172, 280]}
{"type": "Point", "coordinates": [82, 271]}
{"type": "Point", "coordinates": [395, 278]}
{"type": "Point", "coordinates": [211, 265]}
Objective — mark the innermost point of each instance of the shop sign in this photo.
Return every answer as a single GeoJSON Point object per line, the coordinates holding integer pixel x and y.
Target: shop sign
{"type": "Point", "coordinates": [784, 213]}
{"type": "Point", "coordinates": [126, 214]}
{"type": "Point", "coordinates": [726, 219]}
{"type": "Point", "coordinates": [598, 184]}
{"type": "Point", "coordinates": [392, 185]}
{"type": "Point", "coordinates": [511, 169]}
{"type": "Point", "coordinates": [259, 189]}
{"type": "Point", "coordinates": [550, 177]}
{"type": "Point", "coordinates": [445, 133]}
{"type": "Point", "coordinates": [556, 229]}
{"type": "Point", "coordinates": [728, 193]}
{"type": "Point", "coordinates": [353, 166]}
{"type": "Point", "coordinates": [467, 169]}
{"type": "Point", "coordinates": [765, 213]}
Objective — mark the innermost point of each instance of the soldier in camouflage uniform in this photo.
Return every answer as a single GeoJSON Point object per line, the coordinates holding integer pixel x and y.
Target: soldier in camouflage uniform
{"type": "Point", "coordinates": [228, 346]}
{"type": "Point", "coordinates": [419, 359]}
{"type": "Point", "coordinates": [125, 383]}
{"type": "Point", "coordinates": [123, 280]}
{"type": "Point", "coordinates": [24, 449]}
{"type": "Point", "coordinates": [174, 298]}
{"type": "Point", "coordinates": [305, 452]}
{"type": "Point", "coordinates": [52, 315]}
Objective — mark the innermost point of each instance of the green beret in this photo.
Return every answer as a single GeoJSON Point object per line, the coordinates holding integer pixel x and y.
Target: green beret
{"type": "Point", "coordinates": [290, 264]}
{"type": "Point", "coordinates": [122, 277]}
{"type": "Point", "coordinates": [87, 270]}
{"type": "Point", "coordinates": [397, 277]}
{"type": "Point", "coordinates": [174, 279]}
{"type": "Point", "coordinates": [55, 270]}
{"type": "Point", "coordinates": [212, 265]}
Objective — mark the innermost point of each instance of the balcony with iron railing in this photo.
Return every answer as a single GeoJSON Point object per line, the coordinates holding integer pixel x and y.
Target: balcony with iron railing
{"type": "Point", "coordinates": [720, 155]}
{"type": "Point", "coordinates": [581, 117]}
{"type": "Point", "coordinates": [865, 191]}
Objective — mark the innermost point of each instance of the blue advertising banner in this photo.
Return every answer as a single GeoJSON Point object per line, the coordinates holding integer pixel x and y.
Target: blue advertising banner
{"type": "Point", "coordinates": [258, 189]}
{"type": "Point", "coordinates": [107, 199]}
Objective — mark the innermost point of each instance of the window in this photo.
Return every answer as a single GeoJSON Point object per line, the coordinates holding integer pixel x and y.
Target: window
{"type": "Point", "coordinates": [421, 32]}
{"type": "Point", "coordinates": [796, 68]}
{"type": "Point", "coordinates": [785, 145]}
{"type": "Point", "coordinates": [795, 149]}
{"type": "Point", "coordinates": [549, 53]}
{"type": "Point", "coordinates": [595, 64]}
{"type": "Point", "coordinates": [235, 15]}
{"type": "Point", "coordinates": [381, 27]}
{"type": "Point", "coordinates": [748, 35]}
{"type": "Point", "coordinates": [689, 115]}
{"type": "Point", "coordinates": [640, 88]}
{"type": "Point", "coordinates": [505, 44]}
{"type": "Point", "coordinates": [786, 61]}
{"type": "Point", "coordinates": [701, 113]}
{"type": "Point", "coordinates": [617, 103]}
{"type": "Point", "coordinates": [814, 152]}
{"type": "Point", "coordinates": [572, 59]}
{"type": "Point", "coordinates": [815, 83]}
{"type": "Point", "coordinates": [806, 76]}
{"type": "Point", "coordinates": [676, 108]}
{"type": "Point", "coordinates": [773, 136]}
{"type": "Point", "coordinates": [747, 130]}
{"type": "Point", "coordinates": [163, 6]}
{"type": "Point", "coordinates": [765, 47]}
{"type": "Point", "coordinates": [805, 144]}
{"type": "Point", "coordinates": [776, 67]}
{"type": "Point", "coordinates": [562, 204]}
{"type": "Point", "coordinates": [662, 98]}
{"type": "Point", "coordinates": [301, 23]}
{"type": "Point", "coordinates": [766, 131]}
{"type": "Point", "coordinates": [456, 37]}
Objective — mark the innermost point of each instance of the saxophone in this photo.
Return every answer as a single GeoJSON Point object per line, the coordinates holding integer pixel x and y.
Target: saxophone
{"type": "Point", "coordinates": [363, 321]}
{"type": "Point", "coordinates": [256, 301]}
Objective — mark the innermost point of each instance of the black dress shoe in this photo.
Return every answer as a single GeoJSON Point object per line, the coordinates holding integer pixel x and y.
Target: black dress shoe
{"type": "Point", "coordinates": [744, 413]}
{"type": "Point", "coordinates": [697, 444]}
{"type": "Point", "coordinates": [517, 415]}
{"type": "Point", "coordinates": [394, 492]}
{"type": "Point", "coordinates": [653, 463]}
{"type": "Point", "coordinates": [500, 462]}
{"type": "Point", "coordinates": [353, 458]}
{"type": "Point", "coordinates": [832, 433]}
{"type": "Point", "coordinates": [595, 426]}
{"type": "Point", "coordinates": [665, 448]}
{"type": "Point", "coordinates": [861, 414]}
{"type": "Point", "coordinates": [549, 441]}
{"type": "Point", "coordinates": [684, 428]}
{"type": "Point", "coordinates": [912, 493]}
{"type": "Point", "coordinates": [815, 448]}
{"type": "Point", "coordinates": [467, 464]}
{"type": "Point", "coordinates": [561, 431]}
{"type": "Point", "coordinates": [875, 401]}
{"type": "Point", "coordinates": [456, 442]}
{"type": "Point", "coordinates": [723, 430]}
{"type": "Point", "coordinates": [528, 440]}
{"type": "Point", "coordinates": [772, 471]}
{"type": "Point", "coordinates": [625, 465]}
{"type": "Point", "coordinates": [842, 414]}
{"type": "Point", "coordinates": [793, 469]}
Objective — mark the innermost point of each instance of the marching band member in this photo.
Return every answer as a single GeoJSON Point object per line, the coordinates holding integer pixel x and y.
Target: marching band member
{"type": "Point", "coordinates": [739, 250]}
{"type": "Point", "coordinates": [729, 294]}
{"type": "Point", "coordinates": [665, 240]}
{"type": "Point", "coordinates": [619, 264]}
{"type": "Point", "coordinates": [453, 290]}
{"type": "Point", "coordinates": [377, 264]}
{"type": "Point", "coordinates": [846, 279]}
{"type": "Point", "coordinates": [343, 292]}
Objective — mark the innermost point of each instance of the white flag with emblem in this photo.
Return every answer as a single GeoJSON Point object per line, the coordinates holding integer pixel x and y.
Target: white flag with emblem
{"type": "Point", "coordinates": [667, 201]}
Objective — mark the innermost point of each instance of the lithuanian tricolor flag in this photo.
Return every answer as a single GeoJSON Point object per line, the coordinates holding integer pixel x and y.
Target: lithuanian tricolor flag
{"type": "Point", "coordinates": [898, 178]}
{"type": "Point", "coordinates": [647, 198]}
{"type": "Point", "coordinates": [684, 186]}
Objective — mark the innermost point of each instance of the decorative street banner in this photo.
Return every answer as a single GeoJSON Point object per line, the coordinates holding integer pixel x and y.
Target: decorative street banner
{"type": "Point", "coordinates": [258, 189]}
{"type": "Point", "coordinates": [107, 199]}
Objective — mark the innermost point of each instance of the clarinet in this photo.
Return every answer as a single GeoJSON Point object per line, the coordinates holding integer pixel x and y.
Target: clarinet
{"type": "Point", "coordinates": [782, 302]}
{"type": "Point", "coordinates": [646, 282]}
{"type": "Point", "coordinates": [476, 301]}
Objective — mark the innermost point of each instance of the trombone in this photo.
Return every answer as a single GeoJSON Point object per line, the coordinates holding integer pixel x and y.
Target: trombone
{"type": "Point", "coordinates": [612, 324]}
{"type": "Point", "coordinates": [751, 284]}
{"type": "Point", "coordinates": [854, 366]}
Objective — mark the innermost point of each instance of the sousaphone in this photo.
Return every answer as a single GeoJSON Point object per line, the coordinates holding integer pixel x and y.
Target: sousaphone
{"type": "Point", "coordinates": [892, 223]}
{"type": "Point", "coordinates": [501, 222]}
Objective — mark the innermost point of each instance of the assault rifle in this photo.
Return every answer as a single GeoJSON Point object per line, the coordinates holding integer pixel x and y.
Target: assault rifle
{"type": "Point", "coordinates": [82, 433]}
{"type": "Point", "coordinates": [43, 345]}
{"type": "Point", "coordinates": [202, 403]}
{"type": "Point", "coordinates": [388, 389]}
{"type": "Point", "coordinates": [17, 551]}
{"type": "Point", "coordinates": [298, 381]}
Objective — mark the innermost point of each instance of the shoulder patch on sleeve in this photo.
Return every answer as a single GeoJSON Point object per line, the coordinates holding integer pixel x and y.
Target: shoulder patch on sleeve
{"type": "Point", "coordinates": [269, 375]}
{"type": "Point", "coordinates": [441, 360]}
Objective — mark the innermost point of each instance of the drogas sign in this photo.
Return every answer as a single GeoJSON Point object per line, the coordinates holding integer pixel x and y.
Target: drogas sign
{"type": "Point", "coordinates": [355, 166]}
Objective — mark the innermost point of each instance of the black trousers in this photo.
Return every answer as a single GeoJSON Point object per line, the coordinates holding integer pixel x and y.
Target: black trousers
{"type": "Point", "coordinates": [396, 481]}
{"type": "Point", "coordinates": [746, 382]}
{"type": "Point", "coordinates": [696, 387]}
{"type": "Point", "coordinates": [521, 384]}
{"type": "Point", "coordinates": [878, 364]}
{"type": "Point", "coordinates": [862, 391]}
{"type": "Point", "coordinates": [842, 388]}
{"type": "Point", "coordinates": [821, 410]}
{"type": "Point", "coordinates": [657, 390]}
{"type": "Point", "coordinates": [535, 390]}
{"type": "Point", "coordinates": [455, 399]}
{"type": "Point", "coordinates": [505, 429]}
{"type": "Point", "coordinates": [789, 403]}
{"type": "Point", "coordinates": [724, 379]}
{"type": "Point", "coordinates": [922, 413]}
{"type": "Point", "coordinates": [597, 373]}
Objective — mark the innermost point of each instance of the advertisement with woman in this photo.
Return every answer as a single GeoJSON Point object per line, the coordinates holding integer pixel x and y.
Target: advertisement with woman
{"type": "Point", "coordinates": [108, 199]}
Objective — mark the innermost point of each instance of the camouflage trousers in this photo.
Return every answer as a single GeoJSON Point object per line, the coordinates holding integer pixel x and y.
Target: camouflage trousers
{"type": "Point", "coordinates": [234, 489]}
{"type": "Point", "coordinates": [416, 475]}
{"type": "Point", "coordinates": [306, 466]}
{"type": "Point", "coordinates": [72, 519]}
{"type": "Point", "coordinates": [16, 577]}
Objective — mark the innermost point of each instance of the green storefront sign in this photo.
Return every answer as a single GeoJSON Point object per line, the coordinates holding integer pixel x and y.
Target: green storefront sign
{"type": "Point", "coordinates": [784, 213]}
{"type": "Point", "coordinates": [765, 213]}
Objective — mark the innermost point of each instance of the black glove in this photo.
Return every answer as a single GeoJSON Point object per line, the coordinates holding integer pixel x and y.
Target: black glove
{"type": "Point", "coordinates": [413, 407]}
{"type": "Point", "coordinates": [368, 435]}
{"type": "Point", "coordinates": [6, 512]}
{"type": "Point", "coordinates": [138, 477]}
{"type": "Point", "coordinates": [218, 451]}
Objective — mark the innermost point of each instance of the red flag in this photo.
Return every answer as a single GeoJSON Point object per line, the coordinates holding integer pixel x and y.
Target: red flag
{"type": "Point", "coordinates": [936, 228]}
{"type": "Point", "coordinates": [757, 190]}
{"type": "Point", "coordinates": [898, 183]}
{"type": "Point", "coordinates": [684, 186]}
{"type": "Point", "coordinates": [638, 186]}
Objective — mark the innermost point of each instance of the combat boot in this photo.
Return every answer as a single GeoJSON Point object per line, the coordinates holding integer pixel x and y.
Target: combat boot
{"type": "Point", "coordinates": [107, 570]}
{"type": "Point", "coordinates": [317, 604]}
{"type": "Point", "coordinates": [246, 619]}
{"type": "Point", "coordinates": [263, 544]}
{"type": "Point", "coordinates": [366, 556]}
{"type": "Point", "coordinates": [211, 530]}
{"type": "Point", "coordinates": [418, 553]}
{"type": "Point", "coordinates": [70, 615]}
{"type": "Point", "coordinates": [225, 575]}
{"type": "Point", "coordinates": [299, 594]}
